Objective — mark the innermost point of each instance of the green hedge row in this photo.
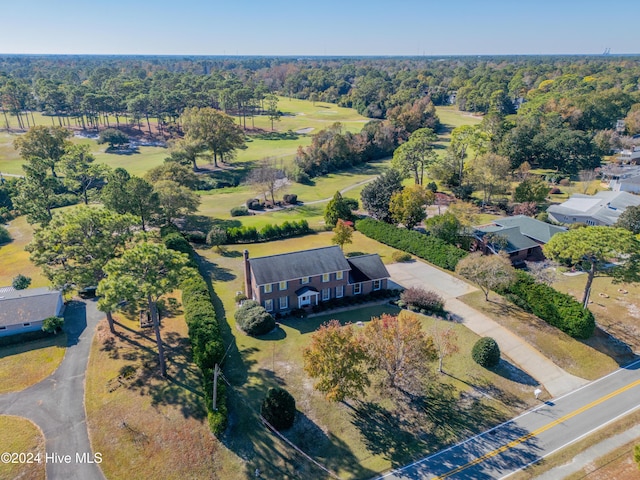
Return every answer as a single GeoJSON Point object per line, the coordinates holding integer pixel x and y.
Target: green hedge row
{"type": "Point", "coordinates": [204, 332]}
{"type": "Point", "coordinates": [268, 232]}
{"type": "Point", "coordinates": [429, 248]}
{"type": "Point", "coordinates": [556, 308]}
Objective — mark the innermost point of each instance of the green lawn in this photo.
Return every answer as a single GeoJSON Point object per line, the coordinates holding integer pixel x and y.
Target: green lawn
{"type": "Point", "coordinates": [20, 435]}
{"type": "Point", "coordinates": [26, 364]}
{"type": "Point", "coordinates": [615, 306]}
{"type": "Point", "coordinates": [577, 358]}
{"type": "Point", "coordinates": [218, 203]}
{"type": "Point", "coordinates": [14, 259]}
{"type": "Point", "coordinates": [360, 438]}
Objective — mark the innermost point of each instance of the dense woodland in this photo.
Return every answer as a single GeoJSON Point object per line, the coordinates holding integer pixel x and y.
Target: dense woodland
{"type": "Point", "coordinates": [555, 112]}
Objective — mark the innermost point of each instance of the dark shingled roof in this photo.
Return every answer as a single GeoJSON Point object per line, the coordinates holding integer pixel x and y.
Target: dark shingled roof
{"type": "Point", "coordinates": [305, 263]}
{"type": "Point", "coordinates": [530, 227]}
{"type": "Point", "coordinates": [31, 305]}
{"type": "Point", "coordinates": [366, 267]}
{"type": "Point", "coordinates": [516, 241]}
{"type": "Point", "coordinates": [303, 290]}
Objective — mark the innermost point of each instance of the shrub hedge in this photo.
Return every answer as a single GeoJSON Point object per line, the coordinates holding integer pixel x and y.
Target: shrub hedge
{"type": "Point", "coordinates": [426, 247]}
{"type": "Point", "coordinates": [268, 232]}
{"type": "Point", "coordinates": [556, 308]}
{"type": "Point", "coordinates": [204, 331]}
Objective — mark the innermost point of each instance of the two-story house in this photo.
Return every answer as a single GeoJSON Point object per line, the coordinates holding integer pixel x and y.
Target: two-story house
{"type": "Point", "coordinates": [305, 278]}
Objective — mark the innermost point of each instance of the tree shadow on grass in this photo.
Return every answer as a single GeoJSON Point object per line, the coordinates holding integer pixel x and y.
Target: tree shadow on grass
{"type": "Point", "coordinates": [215, 272]}
{"type": "Point", "coordinates": [182, 386]}
{"type": "Point", "coordinates": [420, 424]}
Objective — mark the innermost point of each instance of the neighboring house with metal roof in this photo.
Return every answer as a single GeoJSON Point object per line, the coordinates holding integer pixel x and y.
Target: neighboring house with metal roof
{"type": "Point", "coordinates": [305, 278]}
{"type": "Point", "coordinates": [521, 237]}
{"type": "Point", "coordinates": [603, 208]}
{"type": "Point", "coordinates": [24, 310]}
{"type": "Point", "coordinates": [626, 184]}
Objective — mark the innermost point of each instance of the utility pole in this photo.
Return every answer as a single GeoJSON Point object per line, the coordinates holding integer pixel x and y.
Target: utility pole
{"type": "Point", "coordinates": [216, 371]}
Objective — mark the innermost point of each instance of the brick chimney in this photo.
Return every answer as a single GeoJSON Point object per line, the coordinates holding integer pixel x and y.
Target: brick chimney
{"type": "Point", "coordinates": [247, 274]}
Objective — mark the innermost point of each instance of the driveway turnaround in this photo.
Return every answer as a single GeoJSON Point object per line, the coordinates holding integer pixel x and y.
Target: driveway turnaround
{"type": "Point", "coordinates": [527, 439]}
{"type": "Point", "coordinates": [56, 404]}
{"type": "Point", "coordinates": [418, 274]}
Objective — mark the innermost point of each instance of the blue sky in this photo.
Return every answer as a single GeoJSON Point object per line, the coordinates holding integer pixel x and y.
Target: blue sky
{"type": "Point", "coordinates": [322, 27]}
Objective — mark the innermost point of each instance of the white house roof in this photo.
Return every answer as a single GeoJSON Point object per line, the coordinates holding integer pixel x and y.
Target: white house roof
{"type": "Point", "coordinates": [605, 206]}
{"type": "Point", "coordinates": [30, 305]}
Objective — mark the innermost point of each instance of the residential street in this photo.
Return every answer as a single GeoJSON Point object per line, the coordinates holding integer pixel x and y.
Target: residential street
{"type": "Point", "coordinates": [505, 449]}
{"type": "Point", "coordinates": [56, 404]}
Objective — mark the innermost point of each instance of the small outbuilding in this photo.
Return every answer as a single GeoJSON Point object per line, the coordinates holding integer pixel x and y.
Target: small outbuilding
{"type": "Point", "coordinates": [24, 311]}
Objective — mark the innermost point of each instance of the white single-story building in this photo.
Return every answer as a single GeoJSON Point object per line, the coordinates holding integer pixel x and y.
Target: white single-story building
{"type": "Point", "coordinates": [25, 310]}
{"type": "Point", "coordinates": [603, 208]}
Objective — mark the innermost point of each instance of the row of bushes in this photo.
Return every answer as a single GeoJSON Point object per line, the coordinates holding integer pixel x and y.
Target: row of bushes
{"type": "Point", "coordinates": [204, 331]}
{"type": "Point", "coordinates": [429, 248]}
{"type": "Point", "coordinates": [353, 300]}
{"type": "Point", "coordinates": [287, 229]}
{"type": "Point", "coordinates": [556, 308]}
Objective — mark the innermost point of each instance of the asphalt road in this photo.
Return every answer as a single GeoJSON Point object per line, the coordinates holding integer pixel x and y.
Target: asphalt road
{"type": "Point", "coordinates": [507, 448]}
{"type": "Point", "coordinates": [56, 404]}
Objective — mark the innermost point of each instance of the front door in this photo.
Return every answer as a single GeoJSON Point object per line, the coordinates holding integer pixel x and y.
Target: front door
{"type": "Point", "coordinates": [304, 300]}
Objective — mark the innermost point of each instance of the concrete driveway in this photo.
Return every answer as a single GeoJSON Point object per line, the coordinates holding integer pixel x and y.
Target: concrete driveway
{"type": "Point", "coordinates": [419, 274]}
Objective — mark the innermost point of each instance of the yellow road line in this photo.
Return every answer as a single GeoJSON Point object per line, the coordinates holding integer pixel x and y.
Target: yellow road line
{"type": "Point", "coordinates": [540, 430]}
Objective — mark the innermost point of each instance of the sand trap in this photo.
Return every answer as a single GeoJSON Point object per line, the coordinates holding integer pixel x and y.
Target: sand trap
{"type": "Point", "coordinates": [305, 130]}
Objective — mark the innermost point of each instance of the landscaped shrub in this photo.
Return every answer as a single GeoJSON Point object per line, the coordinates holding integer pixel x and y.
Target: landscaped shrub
{"type": "Point", "coordinates": [20, 282]}
{"type": "Point", "coordinates": [253, 319]}
{"type": "Point", "coordinates": [239, 211]}
{"type": "Point", "coordinates": [279, 408]}
{"type": "Point", "coordinates": [486, 352]}
{"type": "Point", "coordinates": [399, 256]}
{"type": "Point", "coordinates": [429, 248]}
{"type": "Point", "coordinates": [4, 235]}
{"type": "Point", "coordinates": [254, 204]}
{"type": "Point", "coordinates": [423, 299]}
{"type": "Point", "coordinates": [290, 198]}
{"type": "Point", "coordinates": [556, 308]}
{"type": "Point", "coordinates": [52, 324]}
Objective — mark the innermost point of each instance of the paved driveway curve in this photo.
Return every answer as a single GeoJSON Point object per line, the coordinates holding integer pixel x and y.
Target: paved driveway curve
{"type": "Point", "coordinates": [56, 404]}
{"type": "Point", "coordinates": [555, 379]}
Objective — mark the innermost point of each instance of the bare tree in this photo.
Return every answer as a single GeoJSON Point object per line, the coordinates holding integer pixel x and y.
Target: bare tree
{"type": "Point", "coordinates": [445, 341]}
{"type": "Point", "coordinates": [267, 178]}
{"type": "Point", "coordinates": [586, 177]}
{"type": "Point", "coordinates": [543, 272]}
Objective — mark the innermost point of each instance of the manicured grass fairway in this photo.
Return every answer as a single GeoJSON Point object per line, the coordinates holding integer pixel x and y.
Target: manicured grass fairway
{"type": "Point", "coordinates": [20, 435]}
{"type": "Point", "coordinates": [301, 114]}
{"type": "Point", "coordinates": [13, 258]}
